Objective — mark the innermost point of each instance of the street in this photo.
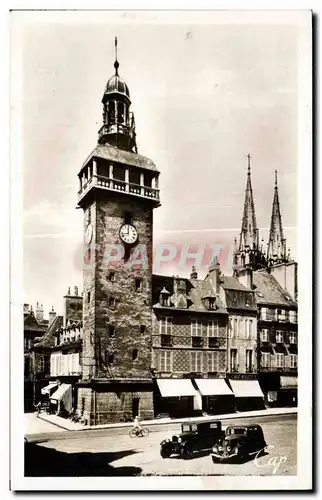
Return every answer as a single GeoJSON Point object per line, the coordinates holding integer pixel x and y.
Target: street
{"type": "Point", "coordinates": [111, 452]}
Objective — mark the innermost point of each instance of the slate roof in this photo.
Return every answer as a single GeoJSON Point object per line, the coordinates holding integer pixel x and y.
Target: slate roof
{"type": "Point", "coordinates": [32, 325]}
{"type": "Point", "coordinates": [108, 152]}
{"type": "Point", "coordinates": [48, 339]}
{"type": "Point", "coordinates": [196, 290]}
{"type": "Point", "coordinates": [269, 291]}
{"type": "Point", "coordinates": [238, 297]}
{"type": "Point", "coordinates": [232, 283]}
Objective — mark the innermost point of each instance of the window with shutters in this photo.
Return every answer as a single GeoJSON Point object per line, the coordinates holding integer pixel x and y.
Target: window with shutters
{"type": "Point", "coordinates": [213, 361]}
{"type": "Point", "coordinates": [264, 335]}
{"type": "Point", "coordinates": [292, 338]}
{"type": "Point", "coordinates": [279, 336]}
{"type": "Point", "coordinates": [196, 361]}
{"type": "Point", "coordinates": [293, 360]}
{"type": "Point", "coordinates": [264, 313]}
{"type": "Point", "coordinates": [279, 360]}
{"type": "Point", "coordinates": [166, 361]}
{"type": "Point", "coordinates": [265, 359]}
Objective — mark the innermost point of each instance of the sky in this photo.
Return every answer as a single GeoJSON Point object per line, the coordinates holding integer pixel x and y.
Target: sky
{"type": "Point", "coordinates": [203, 95]}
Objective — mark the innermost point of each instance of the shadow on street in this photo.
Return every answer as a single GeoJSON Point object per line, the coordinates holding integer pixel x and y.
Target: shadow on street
{"type": "Point", "coordinates": [47, 462]}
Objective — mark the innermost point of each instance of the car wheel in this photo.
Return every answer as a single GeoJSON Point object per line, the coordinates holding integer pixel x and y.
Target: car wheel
{"type": "Point", "coordinates": [186, 453]}
{"type": "Point", "coordinates": [165, 452]}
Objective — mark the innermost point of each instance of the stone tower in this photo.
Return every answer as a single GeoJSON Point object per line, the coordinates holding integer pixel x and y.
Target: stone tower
{"type": "Point", "coordinates": [118, 190]}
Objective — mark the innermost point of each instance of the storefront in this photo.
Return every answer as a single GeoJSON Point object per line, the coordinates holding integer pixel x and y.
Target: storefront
{"type": "Point", "coordinates": [179, 398]}
{"type": "Point", "coordinates": [217, 397]}
{"type": "Point", "coordinates": [61, 399]}
{"type": "Point", "coordinates": [248, 394]}
{"type": "Point", "coordinates": [287, 394]}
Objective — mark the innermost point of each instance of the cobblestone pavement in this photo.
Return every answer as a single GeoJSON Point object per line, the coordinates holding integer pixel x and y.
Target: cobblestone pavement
{"type": "Point", "coordinates": [117, 454]}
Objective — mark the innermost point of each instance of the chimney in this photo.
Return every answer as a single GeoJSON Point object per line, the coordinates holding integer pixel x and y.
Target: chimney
{"type": "Point", "coordinates": [214, 273]}
{"type": "Point", "coordinates": [39, 312]}
{"type": "Point", "coordinates": [52, 315]}
{"type": "Point", "coordinates": [75, 290]}
{"type": "Point", "coordinates": [194, 274]}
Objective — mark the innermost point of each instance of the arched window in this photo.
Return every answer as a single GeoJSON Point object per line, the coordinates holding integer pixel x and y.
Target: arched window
{"type": "Point", "coordinates": [111, 112]}
{"type": "Point", "coordinates": [134, 354]}
{"type": "Point", "coordinates": [120, 112]}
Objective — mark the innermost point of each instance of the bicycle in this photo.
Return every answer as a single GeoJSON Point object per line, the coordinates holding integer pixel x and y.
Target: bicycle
{"type": "Point", "coordinates": [142, 432]}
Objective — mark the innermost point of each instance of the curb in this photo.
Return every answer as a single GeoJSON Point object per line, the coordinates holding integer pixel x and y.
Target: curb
{"type": "Point", "coordinates": [229, 416]}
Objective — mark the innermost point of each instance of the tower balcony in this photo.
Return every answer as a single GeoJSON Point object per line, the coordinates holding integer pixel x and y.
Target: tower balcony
{"type": "Point", "coordinates": [112, 184]}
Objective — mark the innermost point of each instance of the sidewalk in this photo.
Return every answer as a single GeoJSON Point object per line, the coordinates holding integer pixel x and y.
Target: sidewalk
{"type": "Point", "coordinates": [66, 424]}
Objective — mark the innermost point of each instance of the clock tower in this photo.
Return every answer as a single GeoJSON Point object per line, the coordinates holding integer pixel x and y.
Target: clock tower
{"type": "Point", "coordinates": [118, 190]}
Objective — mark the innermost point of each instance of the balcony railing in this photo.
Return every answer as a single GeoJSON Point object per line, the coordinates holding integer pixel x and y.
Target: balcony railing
{"type": "Point", "coordinates": [120, 186]}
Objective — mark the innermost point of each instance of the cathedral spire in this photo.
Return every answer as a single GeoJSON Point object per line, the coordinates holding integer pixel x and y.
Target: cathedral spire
{"type": "Point", "coordinates": [276, 250]}
{"type": "Point", "coordinates": [249, 232]}
{"type": "Point", "coordinates": [116, 63]}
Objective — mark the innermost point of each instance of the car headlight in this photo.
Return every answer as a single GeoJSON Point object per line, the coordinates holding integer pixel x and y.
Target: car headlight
{"type": "Point", "coordinates": [228, 448]}
{"type": "Point", "coordinates": [220, 448]}
{"type": "Point", "coordinates": [179, 440]}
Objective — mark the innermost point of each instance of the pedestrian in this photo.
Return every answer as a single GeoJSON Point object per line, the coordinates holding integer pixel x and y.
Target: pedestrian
{"type": "Point", "coordinates": [38, 408]}
{"type": "Point", "coordinates": [136, 425]}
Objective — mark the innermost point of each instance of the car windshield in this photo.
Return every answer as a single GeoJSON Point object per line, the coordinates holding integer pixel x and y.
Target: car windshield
{"type": "Point", "coordinates": [214, 426]}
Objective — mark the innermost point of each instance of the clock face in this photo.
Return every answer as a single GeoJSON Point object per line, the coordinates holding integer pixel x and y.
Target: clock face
{"type": "Point", "coordinates": [128, 234]}
{"type": "Point", "coordinates": [88, 234]}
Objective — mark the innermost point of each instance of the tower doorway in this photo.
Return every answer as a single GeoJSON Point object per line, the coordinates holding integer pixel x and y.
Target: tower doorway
{"type": "Point", "coordinates": [135, 405]}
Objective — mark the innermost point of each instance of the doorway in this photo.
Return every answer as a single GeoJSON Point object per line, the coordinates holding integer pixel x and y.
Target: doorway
{"type": "Point", "coordinates": [135, 406]}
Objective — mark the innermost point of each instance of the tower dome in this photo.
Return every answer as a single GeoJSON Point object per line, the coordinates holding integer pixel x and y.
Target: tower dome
{"type": "Point", "coordinates": [116, 85]}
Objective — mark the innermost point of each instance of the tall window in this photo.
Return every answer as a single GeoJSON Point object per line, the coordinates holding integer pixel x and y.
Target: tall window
{"type": "Point", "coordinates": [41, 363]}
{"type": "Point", "coordinates": [279, 360]}
{"type": "Point", "coordinates": [196, 328]}
{"type": "Point", "coordinates": [236, 327]}
{"type": "Point", "coordinates": [264, 313]}
{"type": "Point", "coordinates": [166, 361]}
{"type": "Point", "coordinates": [231, 328]}
{"type": "Point", "coordinates": [292, 338]}
{"type": "Point", "coordinates": [265, 359]}
{"type": "Point", "coordinates": [233, 359]}
{"type": "Point", "coordinates": [196, 361]}
{"type": "Point", "coordinates": [279, 336]}
{"type": "Point", "coordinates": [249, 360]}
{"type": "Point", "coordinates": [293, 360]}
{"type": "Point", "coordinates": [293, 316]}
{"type": "Point", "coordinates": [165, 326]}
{"type": "Point", "coordinates": [213, 361]}
{"type": "Point", "coordinates": [264, 335]}
{"type": "Point", "coordinates": [212, 329]}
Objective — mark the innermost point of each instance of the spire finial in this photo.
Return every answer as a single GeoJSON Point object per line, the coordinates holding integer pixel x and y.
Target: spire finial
{"type": "Point", "coordinates": [276, 178]}
{"type": "Point", "coordinates": [116, 64]}
{"type": "Point", "coordinates": [248, 157]}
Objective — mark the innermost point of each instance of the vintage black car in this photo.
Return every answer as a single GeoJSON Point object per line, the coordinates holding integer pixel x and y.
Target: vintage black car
{"type": "Point", "coordinates": [195, 436]}
{"type": "Point", "coordinates": [239, 443]}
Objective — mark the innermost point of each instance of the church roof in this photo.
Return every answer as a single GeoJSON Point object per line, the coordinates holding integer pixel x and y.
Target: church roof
{"type": "Point", "coordinates": [269, 291]}
{"type": "Point", "coordinates": [108, 152]}
{"type": "Point", "coordinates": [232, 283]}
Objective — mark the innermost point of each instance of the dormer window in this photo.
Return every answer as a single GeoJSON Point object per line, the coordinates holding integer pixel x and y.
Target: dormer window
{"type": "Point", "coordinates": [212, 304]}
{"type": "Point", "coordinates": [165, 297]}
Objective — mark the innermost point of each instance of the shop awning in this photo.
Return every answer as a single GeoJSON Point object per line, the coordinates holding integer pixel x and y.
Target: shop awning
{"type": "Point", "coordinates": [288, 382]}
{"type": "Point", "coordinates": [170, 387]}
{"type": "Point", "coordinates": [246, 388]}
{"type": "Point", "coordinates": [213, 387]}
{"type": "Point", "coordinates": [49, 387]}
{"type": "Point", "coordinates": [61, 391]}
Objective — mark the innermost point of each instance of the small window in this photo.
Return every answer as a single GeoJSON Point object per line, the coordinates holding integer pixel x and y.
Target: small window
{"type": "Point", "coordinates": [111, 276]}
{"type": "Point", "coordinates": [112, 301]}
{"type": "Point", "coordinates": [110, 359]}
{"type": "Point", "coordinates": [138, 284]}
{"type": "Point", "coordinates": [89, 216]}
{"type": "Point", "coordinates": [111, 331]}
{"type": "Point", "coordinates": [88, 296]}
{"type": "Point", "coordinates": [142, 328]}
{"type": "Point", "coordinates": [134, 354]}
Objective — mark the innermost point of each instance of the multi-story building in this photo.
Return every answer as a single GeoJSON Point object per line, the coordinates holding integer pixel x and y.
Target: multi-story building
{"type": "Point", "coordinates": [242, 343]}
{"type": "Point", "coordinates": [277, 340]}
{"type": "Point", "coordinates": [189, 345]}
{"type": "Point", "coordinates": [34, 326]}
